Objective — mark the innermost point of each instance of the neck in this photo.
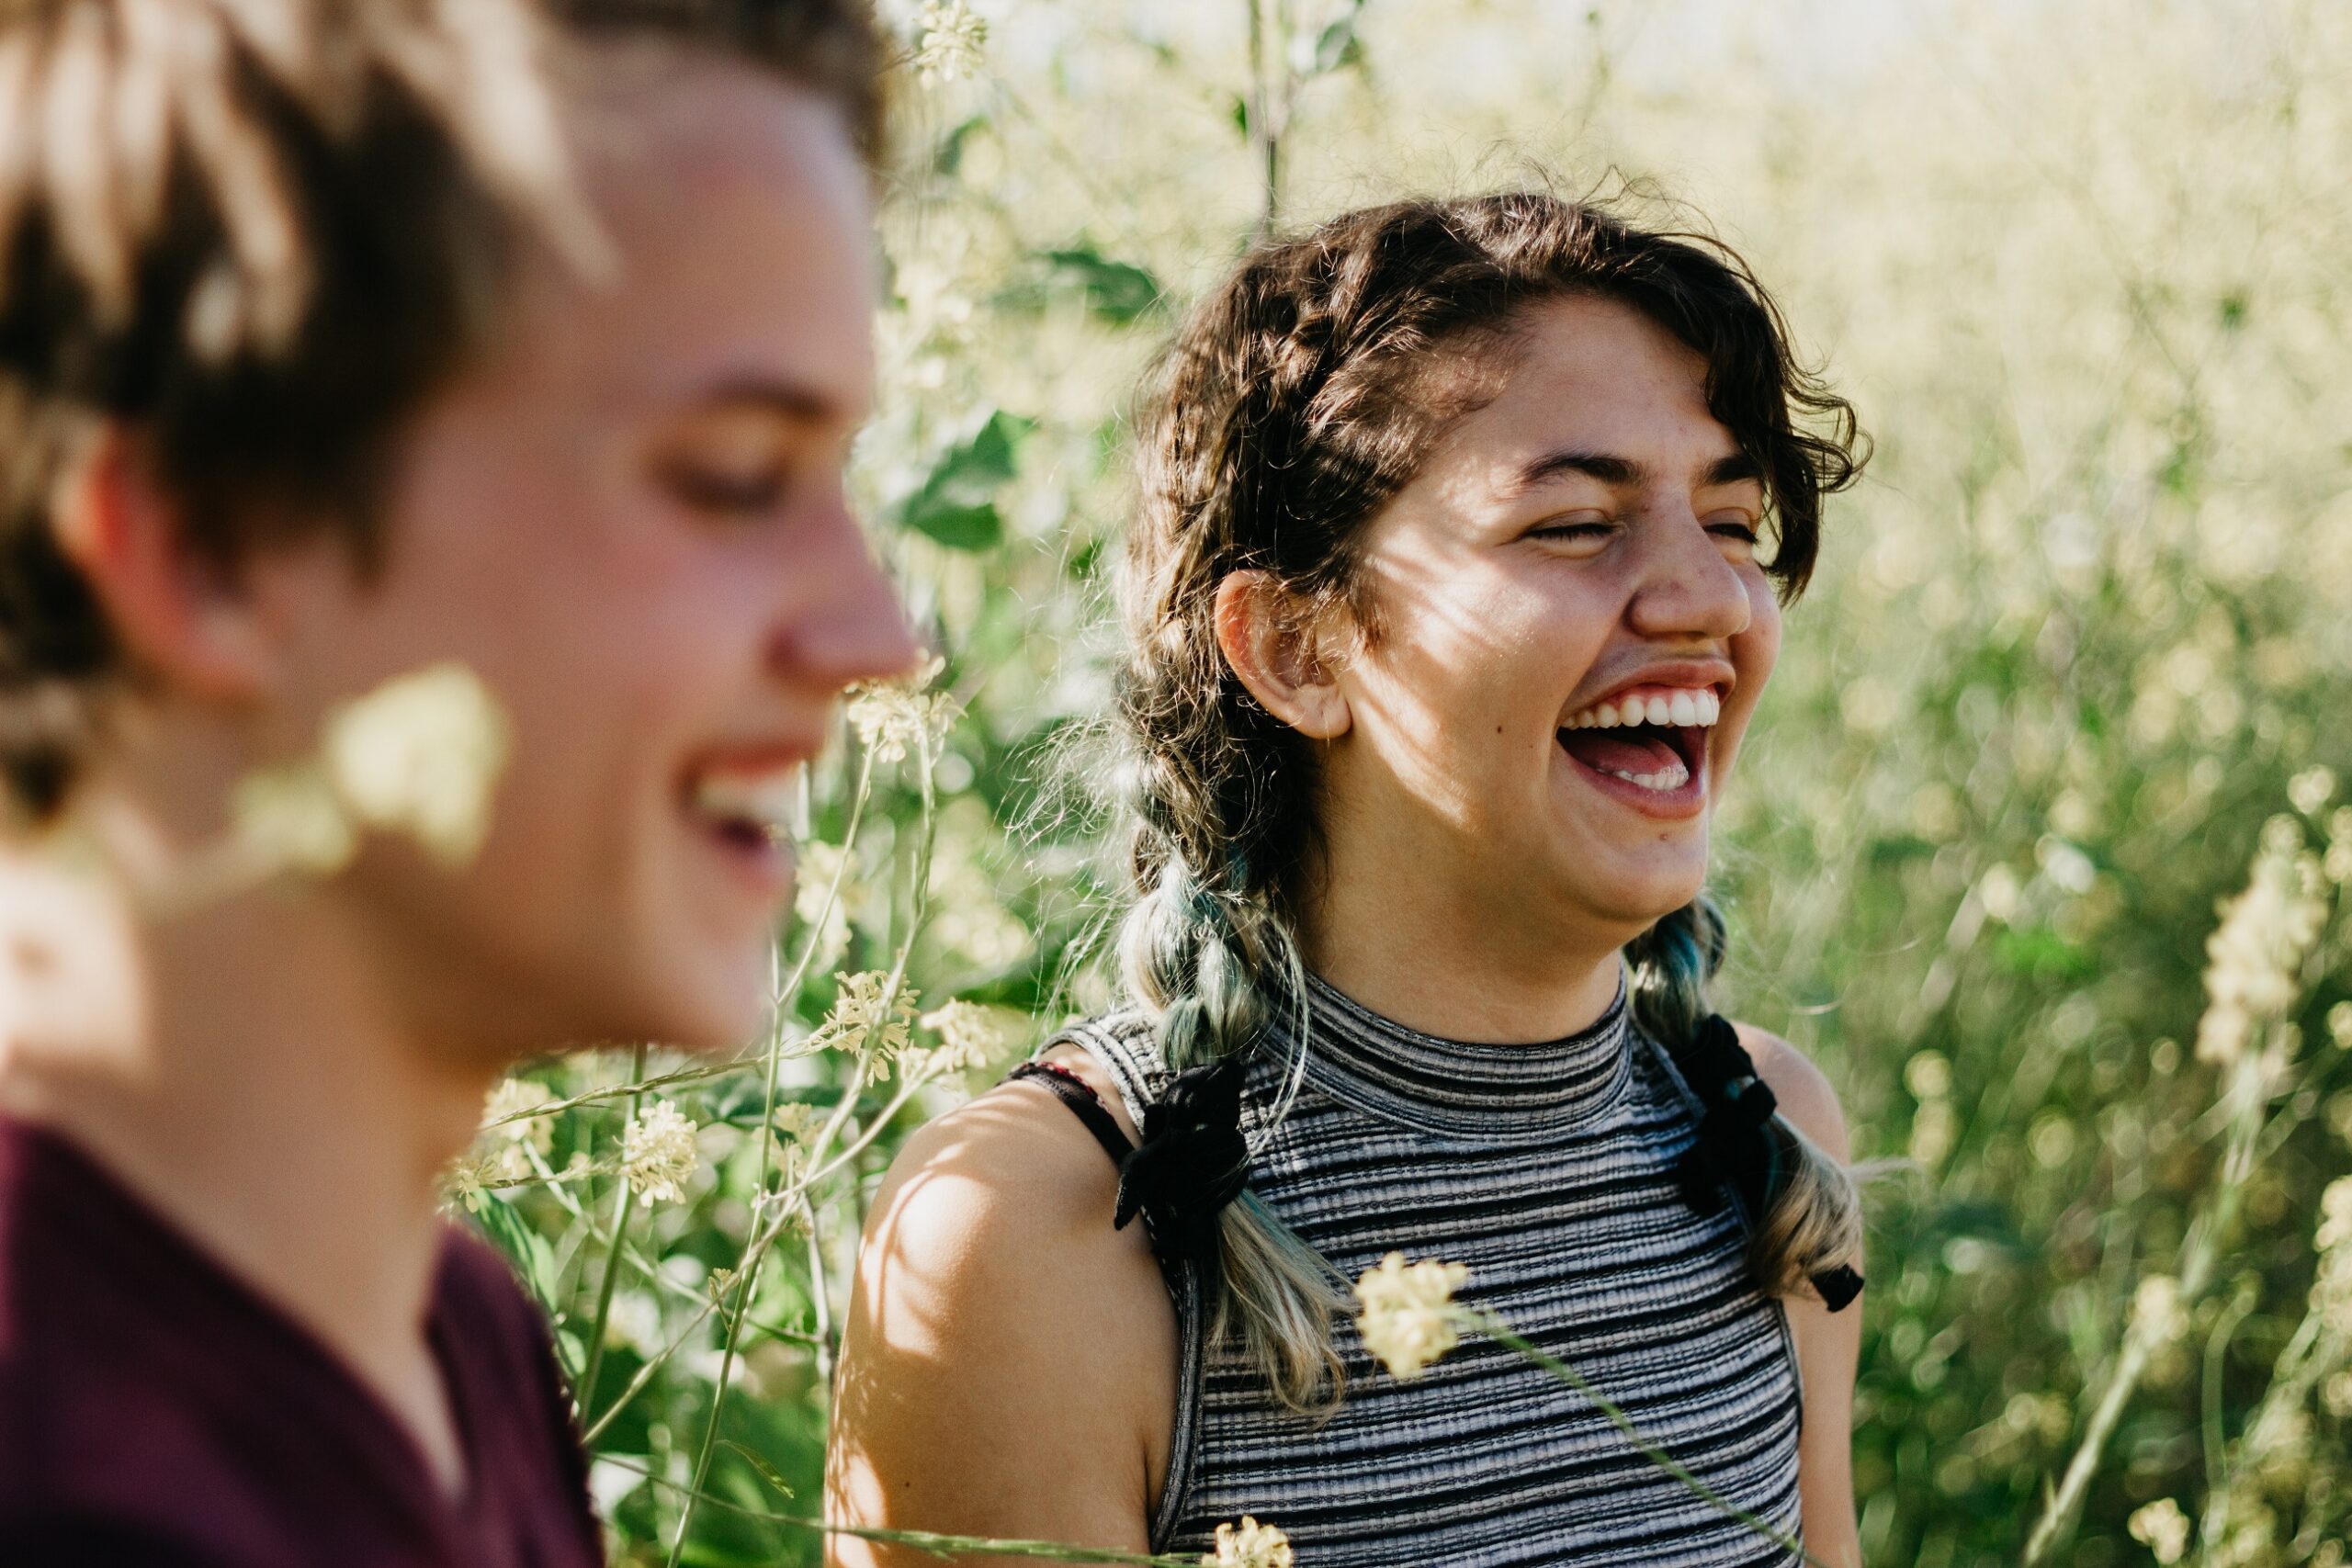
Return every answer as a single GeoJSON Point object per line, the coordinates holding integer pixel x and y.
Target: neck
{"type": "Point", "coordinates": [258, 1094]}
{"type": "Point", "coordinates": [1425, 953]}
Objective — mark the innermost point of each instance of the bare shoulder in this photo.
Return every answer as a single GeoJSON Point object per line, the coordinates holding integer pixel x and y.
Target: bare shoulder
{"type": "Point", "coordinates": [1806, 1096]}
{"type": "Point", "coordinates": [990, 1285]}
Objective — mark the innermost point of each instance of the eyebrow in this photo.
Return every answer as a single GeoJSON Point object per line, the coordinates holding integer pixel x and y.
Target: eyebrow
{"type": "Point", "coordinates": [1731, 468]}
{"type": "Point", "coordinates": [789, 399]}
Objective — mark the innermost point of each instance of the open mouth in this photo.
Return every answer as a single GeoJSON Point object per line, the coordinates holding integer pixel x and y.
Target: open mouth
{"type": "Point", "coordinates": [1653, 737]}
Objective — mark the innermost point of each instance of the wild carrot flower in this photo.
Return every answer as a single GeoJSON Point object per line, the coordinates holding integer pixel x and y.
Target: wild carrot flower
{"type": "Point", "coordinates": [1248, 1545]}
{"type": "Point", "coordinates": [892, 715]}
{"type": "Point", "coordinates": [2162, 1527]}
{"type": "Point", "coordinates": [970, 1035]}
{"type": "Point", "coordinates": [2265, 934]}
{"type": "Point", "coordinates": [510, 1133]}
{"type": "Point", "coordinates": [658, 1154]}
{"type": "Point", "coordinates": [948, 41]}
{"type": "Point", "coordinates": [421, 755]}
{"type": "Point", "coordinates": [1409, 1319]}
{"type": "Point", "coordinates": [866, 1020]}
{"type": "Point", "coordinates": [291, 819]}
{"type": "Point", "coordinates": [2157, 1315]}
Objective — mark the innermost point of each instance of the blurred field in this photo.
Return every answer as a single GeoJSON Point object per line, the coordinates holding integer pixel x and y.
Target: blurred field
{"type": "Point", "coordinates": [2086, 629]}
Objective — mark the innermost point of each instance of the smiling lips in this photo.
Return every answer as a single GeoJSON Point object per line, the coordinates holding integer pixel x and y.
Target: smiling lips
{"type": "Point", "coordinates": [746, 806]}
{"type": "Point", "coordinates": [1652, 736]}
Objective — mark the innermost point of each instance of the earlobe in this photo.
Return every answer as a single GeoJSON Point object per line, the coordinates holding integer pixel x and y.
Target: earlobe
{"type": "Point", "coordinates": [1276, 653]}
{"type": "Point", "coordinates": [177, 615]}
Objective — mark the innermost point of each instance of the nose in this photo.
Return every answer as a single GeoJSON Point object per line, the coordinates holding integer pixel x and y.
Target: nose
{"type": "Point", "coordinates": [843, 622]}
{"type": "Point", "coordinates": [1689, 591]}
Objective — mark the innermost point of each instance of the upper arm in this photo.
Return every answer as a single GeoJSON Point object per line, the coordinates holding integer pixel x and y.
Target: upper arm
{"type": "Point", "coordinates": [1828, 1345]}
{"type": "Point", "coordinates": [1008, 1363]}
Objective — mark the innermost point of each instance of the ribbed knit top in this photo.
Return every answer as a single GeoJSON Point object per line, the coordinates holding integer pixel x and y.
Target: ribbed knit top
{"type": "Point", "coordinates": [1549, 1171]}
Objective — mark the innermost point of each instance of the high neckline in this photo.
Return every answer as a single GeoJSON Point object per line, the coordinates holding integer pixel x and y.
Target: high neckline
{"type": "Point", "coordinates": [1460, 1087]}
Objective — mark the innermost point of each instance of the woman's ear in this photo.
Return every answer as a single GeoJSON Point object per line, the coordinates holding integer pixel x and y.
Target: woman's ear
{"type": "Point", "coordinates": [1278, 653]}
{"type": "Point", "coordinates": [179, 615]}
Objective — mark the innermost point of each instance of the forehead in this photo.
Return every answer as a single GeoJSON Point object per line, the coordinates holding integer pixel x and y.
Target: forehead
{"type": "Point", "coordinates": [739, 225]}
{"type": "Point", "coordinates": [1592, 374]}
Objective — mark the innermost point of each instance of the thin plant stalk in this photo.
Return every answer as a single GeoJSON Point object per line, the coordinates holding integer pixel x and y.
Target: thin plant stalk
{"type": "Point", "coordinates": [612, 1262]}
{"type": "Point", "coordinates": [932, 1541]}
{"type": "Point", "coordinates": [755, 1249]}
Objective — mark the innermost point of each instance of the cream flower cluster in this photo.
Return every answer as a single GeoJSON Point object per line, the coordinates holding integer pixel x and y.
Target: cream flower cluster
{"type": "Point", "coordinates": [949, 40]}
{"type": "Point", "coordinates": [511, 1132]}
{"type": "Point", "coordinates": [2254, 957]}
{"type": "Point", "coordinates": [891, 717]}
{"type": "Point", "coordinates": [420, 755]}
{"type": "Point", "coordinates": [659, 1155]}
{"type": "Point", "coordinates": [1408, 1318]}
{"type": "Point", "coordinates": [871, 1017]}
{"type": "Point", "coordinates": [1248, 1545]}
{"type": "Point", "coordinates": [970, 1035]}
{"type": "Point", "coordinates": [2162, 1527]}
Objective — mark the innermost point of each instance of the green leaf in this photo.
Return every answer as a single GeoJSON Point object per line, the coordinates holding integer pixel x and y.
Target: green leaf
{"type": "Point", "coordinates": [524, 1247]}
{"type": "Point", "coordinates": [948, 158]}
{"type": "Point", "coordinates": [1337, 47]}
{"type": "Point", "coordinates": [767, 1472]}
{"type": "Point", "coordinates": [956, 505]}
{"type": "Point", "coordinates": [1119, 292]}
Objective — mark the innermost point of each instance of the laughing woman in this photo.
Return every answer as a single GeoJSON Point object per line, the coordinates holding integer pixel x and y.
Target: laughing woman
{"type": "Point", "coordinates": [1466, 526]}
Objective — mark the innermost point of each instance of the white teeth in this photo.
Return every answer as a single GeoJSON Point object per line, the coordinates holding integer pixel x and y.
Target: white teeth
{"type": "Point", "coordinates": [1687, 708]}
{"type": "Point", "coordinates": [763, 800]}
{"type": "Point", "coordinates": [1664, 781]}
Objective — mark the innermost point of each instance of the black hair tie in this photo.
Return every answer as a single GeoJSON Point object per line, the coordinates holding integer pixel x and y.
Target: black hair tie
{"type": "Point", "coordinates": [1191, 1163]}
{"type": "Point", "coordinates": [1740, 1148]}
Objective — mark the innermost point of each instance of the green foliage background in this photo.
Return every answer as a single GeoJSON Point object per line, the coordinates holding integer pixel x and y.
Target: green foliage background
{"type": "Point", "coordinates": [2087, 268]}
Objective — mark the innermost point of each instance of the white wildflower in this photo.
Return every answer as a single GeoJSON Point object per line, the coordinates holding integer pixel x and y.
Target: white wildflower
{"type": "Point", "coordinates": [949, 39]}
{"type": "Point", "coordinates": [860, 1022]}
{"type": "Point", "coordinates": [2162, 1527]}
{"type": "Point", "coordinates": [422, 755]}
{"type": "Point", "coordinates": [659, 1155]}
{"type": "Point", "coordinates": [1248, 1545]}
{"type": "Point", "coordinates": [970, 1035]}
{"type": "Point", "coordinates": [2158, 1318]}
{"type": "Point", "coordinates": [2256, 953]}
{"type": "Point", "coordinates": [893, 716]}
{"type": "Point", "coordinates": [1408, 1318]}
{"type": "Point", "coordinates": [511, 1132]}
{"type": "Point", "coordinates": [291, 819]}
{"type": "Point", "coordinates": [2312, 789]}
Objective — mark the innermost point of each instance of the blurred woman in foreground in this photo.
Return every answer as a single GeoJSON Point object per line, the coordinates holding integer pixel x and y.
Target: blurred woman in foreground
{"type": "Point", "coordinates": [1466, 526]}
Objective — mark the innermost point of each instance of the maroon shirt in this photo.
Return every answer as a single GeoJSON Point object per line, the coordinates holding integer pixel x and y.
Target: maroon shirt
{"type": "Point", "coordinates": [156, 1413]}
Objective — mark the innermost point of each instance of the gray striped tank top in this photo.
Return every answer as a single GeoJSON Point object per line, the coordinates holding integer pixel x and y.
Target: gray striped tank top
{"type": "Point", "coordinates": [1550, 1171]}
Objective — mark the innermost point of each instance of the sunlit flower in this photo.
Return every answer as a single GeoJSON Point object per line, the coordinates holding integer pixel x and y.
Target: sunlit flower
{"type": "Point", "coordinates": [892, 716]}
{"type": "Point", "coordinates": [970, 1035]}
{"type": "Point", "coordinates": [2158, 1318]}
{"type": "Point", "coordinates": [1409, 1319]}
{"type": "Point", "coordinates": [511, 1132]}
{"type": "Point", "coordinates": [864, 1019]}
{"type": "Point", "coordinates": [659, 1155]}
{"type": "Point", "coordinates": [948, 41]}
{"type": "Point", "coordinates": [291, 819]}
{"type": "Point", "coordinates": [2312, 789]}
{"type": "Point", "coordinates": [2265, 934]}
{"type": "Point", "coordinates": [1248, 1545]}
{"type": "Point", "coordinates": [2162, 1528]}
{"type": "Point", "coordinates": [422, 755]}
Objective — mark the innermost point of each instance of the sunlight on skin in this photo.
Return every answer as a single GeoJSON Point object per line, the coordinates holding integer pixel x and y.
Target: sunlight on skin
{"type": "Point", "coordinates": [1503, 607]}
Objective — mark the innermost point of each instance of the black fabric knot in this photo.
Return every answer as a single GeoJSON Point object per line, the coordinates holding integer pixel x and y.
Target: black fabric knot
{"type": "Point", "coordinates": [1191, 1163]}
{"type": "Point", "coordinates": [1741, 1148]}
